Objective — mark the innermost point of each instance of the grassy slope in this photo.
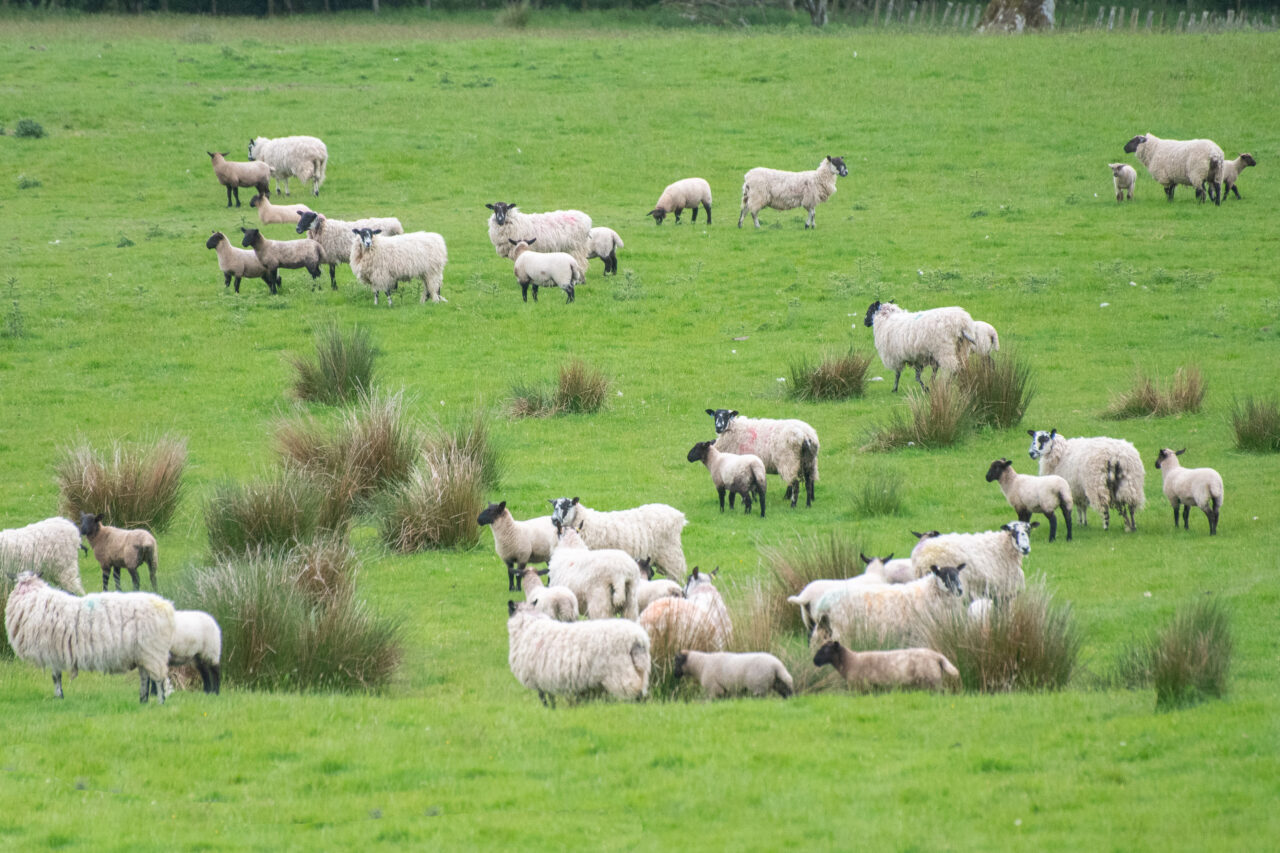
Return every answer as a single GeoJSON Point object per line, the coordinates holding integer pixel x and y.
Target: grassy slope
{"type": "Point", "coordinates": [974, 169]}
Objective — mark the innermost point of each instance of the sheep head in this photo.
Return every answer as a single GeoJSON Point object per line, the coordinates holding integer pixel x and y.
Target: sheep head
{"type": "Point", "coordinates": [698, 453]}
{"type": "Point", "coordinates": [562, 510]}
{"type": "Point", "coordinates": [1132, 145]}
{"type": "Point", "coordinates": [723, 418]}
{"type": "Point", "coordinates": [1041, 441]}
{"type": "Point", "coordinates": [949, 577]}
{"type": "Point", "coordinates": [491, 513]}
{"type": "Point", "coordinates": [1020, 533]}
{"type": "Point", "coordinates": [828, 654]}
{"type": "Point", "coordinates": [997, 469]}
{"type": "Point", "coordinates": [658, 215]}
{"type": "Point", "coordinates": [837, 163]}
{"type": "Point", "coordinates": [500, 210]}
{"type": "Point", "coordinates": [305, 220]}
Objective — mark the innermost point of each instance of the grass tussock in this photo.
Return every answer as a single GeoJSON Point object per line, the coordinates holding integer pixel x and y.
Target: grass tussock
{"type": "Point", "coordinates": [1256, 424]}
{"type": "Point", "coordinates": [666, 641]}
{"type": "Point", "coordinates": [341, 370]}
{"type": "Point", "coordinates": [470, 438]}
{"type": "Point", "coordinates": [1191, 658]}
{"type": "Point", "coordinates": [879, 493]}
{"type": "Point", "coordinates": [268, 515]}
{"type": "Point", "coordinates": [132, 485]}
{"type": "Point", "coordinates": [796, 564]}
{"type": "Point", "coordinates": [835, 377]}
{"type": "Point", "coordinates": [999, 388]}
{"type": "Point", "coordinates": [436, 507]}
{"type": "Point", "coordinates": [937, 418]}
{"type": "Point", "coordinates": [1151, 397]}
{"type": "Point", "coordinates": [514, 16]}
{"type": "Point", "coordinates": [580, 389]}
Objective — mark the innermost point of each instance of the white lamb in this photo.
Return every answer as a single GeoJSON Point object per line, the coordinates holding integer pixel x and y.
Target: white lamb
{"type": "Point", "coordinates": [986, 338]}
{"type": "Point", "coordinates": [729, 673]}
{"type": "Point", "coordinates": [688, 192]}
{"type": "Point", "coordinates": [1103, 472]}
{"type": "Point", "coordinates": [993, 557]}
{"type": "Point", "coordinates": [781, 190]}
{"type": "Point", "coordinates": [603, 580]}
{"type": "Point", "coordinates": [1231, 170]}
{"type": "Point", "coordinates": [198, 639]}
{"type": "Point", "coordinates": [1195, 163]}
{"type": "Point", "coordinates": [1188, 487]}
{"type": "Point", "coordinates": [576, 658]}
{"type": "Point", "coordinates": [558, 602]}
{"type": "Point", "coordinates": [1123, 176]}
{"type": "Point", "coordinates": [545, 269]}
{"type": "Point", "coordinates": [651, 531]}
{"type": "Point", "coordinates": [560, 230]}
{"type": "Point", "coordinates": [519, 543]}
{"type": "Point", "coordinates": [892, 610]}
{"type": "Point", "coordinates": [303, 157]}
{"type": "Point", "coordinates": [102, 632]}
{"type": "Point", "coordinates": [788, 448]}
{"type": "Point", "coordinates": [651, 588]}
{"type": "Point", "coordinates": [382, 262]}
{"type": "Point", "coordinates": [938, 337]}
{"type": "Point", "coordinates": [604, 244]}
{"type": "Point", "coordinates": [1028, 494]}
{"type": "Point", "coordinates": [699, 621]}
{"type": "Point", "coordinates": [336, 239]}
{"type": "Point", "coordinates": [737, 474]}
{"type": "Point", "coordinates": [50, 547]}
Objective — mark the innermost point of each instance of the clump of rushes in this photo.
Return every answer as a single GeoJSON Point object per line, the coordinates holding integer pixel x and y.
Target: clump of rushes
{"type": "Point", "coordinates": [132, 485]}
{"type": "Point", "coordinates": [835, 377]}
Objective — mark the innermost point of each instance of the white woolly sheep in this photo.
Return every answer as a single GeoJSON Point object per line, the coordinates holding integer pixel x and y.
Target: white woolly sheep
{"type": "Point", "coordinates": [302, 157]}
{"type": "Point", "coordinates": [1103, 472]}
{"type": "Point", "coordinates": [1123, 176]}
{"type": "Point", "coordinates": [235, 263]}
{"type": "Point", "coordinates": [994, 558]}
{"type": "Point", "coordinates": [1194, 162]}
{"type": "Point", "coordinates": [234, 175]}
{"type": "Point", "coordinates": [986, 338]}
{"type": "Point", "coordinates": [1028, 494]}
{"type": "Point", "coordinates": [819, 592]}
{"type": "Point", "coordinates": [102, 632]}
{"type": "Point", "coordinates": [1231, 170]}
{"type": "Point", "coordinates": [518, 543]}
{"type": "Point", "coordinates": [891, 610]}
{"type": "Point", "coordinates": [735, 473]}
{"type": "Point", "coordinates": [900, 669]}
{"type": "Point", "coordinates": [651, 531]}
{"type": "Point", "coordinates": [781, 190]}
{"type": "Point", "coordinates": [117, 548]}
{"type": "Point", "coordinates": [275, 255]}
{"type": "Point", "coordinates": [688, 192]}
{"type": "Point", "coordinates": [382, 262]}
{"type": "Point", "coordinates": [545, 269]}
{"type": "Point", "coordinates": [49, 548]}
{"type": "Point", "coordinates": [730, 673]}
{"type": "Point", "coordinates": [197, 639]}
{"type": "Point", "coordinates": [1188, 487]}
{"type": "Point", "coordinates": [336, 239]}
{"type": "Point", "coordinates": [938, 337]}
{"type": "Point", "coordinates": [698, 621]}
{"type": "Point", "coordinates": [558, 602]}
{"type": "Point", "coordinates": [604, 244]}
{"type": "Point", "coordinates": [277, 214]}
{"type": "Point", "coordinates": [603, 580]}
{"type": "Point", "coordinates": [788, 448]}
{"type": "Point", "coordinates": [651, 589]}
{"type": "Point", "coordinates": [576, 658]}
{"type": "Point", "coordinates": [560, 230]}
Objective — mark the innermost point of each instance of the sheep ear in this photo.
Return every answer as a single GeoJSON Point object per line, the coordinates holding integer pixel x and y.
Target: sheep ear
{"type": "Point", "coordinates": [575, 501]}
{"type": "Point", "coordinates": [864, 558]}
{"type": "Point", "coordinates": [542, 571]}
{"type": "Point", "coordinates": [733, 413]}
{"type": "Point", "coordinates": [962, 565]}
{"type": "Point", "coordinates": [1053, 433]}
{"type": "Point", "coordinates": [888, 558]}
{"type": "Point", "coordinates": [1033, 525]}
{"type": "Point", "coordinates": [1031, 433]}
{"type": "Point", "coordinates": [502, 505]}
{"type": "Point", "coordinates": [511, 607]}
{"type": "Point", "coordinates": [711, 412]}
{"type": "Point", "coordinates": [551, 501]}
{"type": "Point", "coordinates": [1179, 452]}
{"type": "Point", "coordinates": [489, 206]}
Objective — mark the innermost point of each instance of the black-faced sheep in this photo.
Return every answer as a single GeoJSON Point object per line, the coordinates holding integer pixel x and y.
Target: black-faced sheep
{"type": "Point", "coordinates": [1194, 162]}
{"type": "Point", "coordinates": [275, 255]}
{"type": "Point", "coordinates": [1188, 487]}
{"type": "Point", "coordinates": [938, 337]}
{"type": "Point", "coordinates": [544, 269]}
{"type": "Point", "coordinates": [686, 193]}
{"type": "Point", "coordinates": [1231, 170]}
{"type": "Point", "coordinates": [560, 230]}
{"type": "Point", "coordinates": [730, 673]}
{"type": "Point", "coordinates": [233, 175]}
{"type": "Point", "coordinates": [518, 543]}
{"type": "Point", "coordinates": [336, 237]}
{"type": "Point", "coordinates": [897, 669]}
{"type": "Point", "coordinates": [651, 531]}
{"type": "Point", "coordinates": [235, 263]}
{"type": "Point", "coordinates": [1027, 494]}
{"type": "Point", "coordinates": [737, 474]}
{"type": "Point", "coordinates": [781, 190]}
{"type": "Point", "coordinates": [788, 448]}
{"type": "Point", "coordinates": [117, 548]}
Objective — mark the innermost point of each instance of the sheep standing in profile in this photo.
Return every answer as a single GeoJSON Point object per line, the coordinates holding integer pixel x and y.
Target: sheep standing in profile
{"type": "Point", "coordinates": [1194, 162]}
{"type": "Point", "coordinates": [233, 175]}
{"type": "Point", "coordinates": [518, 543]}
{"type": "Point", "coordinates": [276, 255]}
{"type": "Point", "coordinates": [937, 337]}
{"type": "Point", "coordinates": [382, 262]}
{"type": "Point", "coordinates": [336, 238]}
{"type": "Point", "coordinates": [302, 157]}
{"type": "Point", "coordinates": [1027, 494]}
{"type": "Point", "coordinates": [235, 263]}
{"type": "Point", "coordinates": [1188, 487]}
{"type": "Point", "coordinates": [1231, 170]}
{"type": "Point", "coordinates": [544, 269]}
{"type": "Point", "coordinates": [686, 193]}
{"type": "Point", "coordinates": [781, 190]}
{"type": "Point", "coordinates": [728, 673]}
{"type": "Point", "coordinates": [994, 558]}
{"type": "Point", "coordinates": [117, 548]}
{"type": "Point", "coordinates": [276, 214]}
{"type": "Point", "coordinates": [737, 474]}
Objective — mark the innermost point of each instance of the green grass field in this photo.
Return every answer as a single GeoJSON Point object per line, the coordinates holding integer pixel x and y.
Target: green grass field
{"type": "Point", "coordinates": [978, 177]}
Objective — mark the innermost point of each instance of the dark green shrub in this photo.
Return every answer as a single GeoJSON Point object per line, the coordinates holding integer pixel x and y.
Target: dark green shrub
{"type": "Point", "coordinates": [1190, 660]}
{"type": "Point", "coordinates": [878, 493]}
{"type": "Point", "coordinates": [28, 129]}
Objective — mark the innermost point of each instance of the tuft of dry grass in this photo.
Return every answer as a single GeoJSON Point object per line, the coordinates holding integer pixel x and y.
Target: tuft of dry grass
{"type": "Point", "coordinates": [132, 485]}
{"type": "Point", "coordinates": [938, 418]}
{"type": "Point", "coordinates": [1190, 660]}
{"type": "Point", "coordinates": [342, 369]}
{"type": "Point", "coordinates": [835, 377]}
{"type": "Point", "coordinates": [580, 389]}
{"type": "Point", "coordinates": [999, 388]}
{"type": "Point", "coordinates": [1256, 424]}
{"type": "Point", "coordinates": [269, 515]}
{"type": "Point", "coordinates": [1151, 397]}
{"type": "Point", "coordinates": [436, 507]}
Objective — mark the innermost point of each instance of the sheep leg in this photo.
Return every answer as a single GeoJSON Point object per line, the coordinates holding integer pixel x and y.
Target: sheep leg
{"type": "Point", "coordinates": [1168, 192]}
{"type": "Point", "coordinates": [695, 213]}
{"type": "Point", "coordinates": [808, 489]}
{"type": "Point", "coordinates": [57, 684]}
{"type": "Point", "coordinates": [1232, 189]}
{"type": "Point", "coordinates": [237, 192]}
{"type": "Point", "coordinates": [1212, 515]}
{"type": "Point", "coordinates": [133, 573]}
{"type": "Point", "coordinates": [720, 492]}
{"type": "Point", "coordinates": [707, 206]}
{"type": "Point", "coordinates": [238, 283]}
{"type": "Point", "coordinates": [746, 502]}
{"type": "Point", "coordinates": [524, 291]}
{"type": "Point", "coordinates": [226, 279]}
{"type": "Point", "coordinates": [144, 688]}
{"type": "Point", "coordinates": [333, 276]}
{"type": "Point", "coordinates": [1053, 525]}
{"type": "Point", "coordinates": [514, 580]}
{"type": "Point", "coordinates": [535, 293]}
{"type": "Point", "coordinates": [206, 674]}
{"type": "Point", "coordinates": [1106, 517]}
{"type": "Point", "coordinates": [151, 567]}
{"type": "Point", "coordinates": [1186, 513]}
{"type": "Point", "coordinates": [1066, 516]}
{"type": "Point", "coordinates": [809, 222]}
{"type": "Point", "coordinates": [919, 370]}
{"type": "Point", "coordinates": [106, 570]}
{"type": "Point", "coordinates": [794, 491]}
{"type": "Point", "coordinates": [679, 210]}
{"type": "Point", "coordinates": [761, 494]}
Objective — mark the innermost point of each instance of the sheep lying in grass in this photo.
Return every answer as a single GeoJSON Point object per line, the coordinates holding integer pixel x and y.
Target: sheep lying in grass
{"type": "Point", "coordinates": [336, 238]}
{"type": "Point", "coordinates": [545, 269]}
{"type": "Point", "coordinates": [994, 558]}
{"type": "Point", "coordinates": [1231, 170]}
{"type": "Point", "coordinates": [198, 639]}
{"type": "Point", "coordinates": [302, 157]}
{"type": "Point", "coordinates": [651, 531]}
{"type": "Point", "coordinates": [1194, 162]}
{"type": "Point", "coordinates": [277, 214]}
{"type": "Point", "coordinates": [117, 548]}
{"type": "Point", "coordinates": [235, 263]}
{"type": "Point", "coordinates": [1103, 472]}
{"type": "Point", "coordinates": [382, 262]}
{"type": "Point", "coordinates": [50, 548]}
{"type": "Point", "coordinates": [1188, 487]}
{"type": "Point", "coordinates": [604, 580]}
{"type": "Point", "coordinates": [737, 474]}
{"type": "Point", "coordinates": [604, 244]}
{"type": "Point", "coordinates": [518, 543]}
{"type": "Point", "coordinates": [559, 231]}
{"type": "Point", "coordinates": [1027, 494]}
{"type": "Point", "coordinates": [699, 620]}
{"type": "Point", "coordinates": [938, 337]}
{"type": "Point", "coordinates": [788, 448]}
{"type": "Point", "coordinates": [1124, 177]}
{"type": "Point", "coordinates": [233, 175]}
{"type": "Point", "coordinates": [651, 588]}
{"type": "Point", "coordinates": [781, 190]}
{"type": "Point", "coordinates": [728, 673]}
{"type": "Point", "coordinates": [686, 193]}
{"type": "Point", "coordinates": [558, 602]}
{"type": "Point", "coordinates": [892, 610]}
{"type": "Point", "coordinates": [899, 669]}
{"type": "Point", "coordinates": [275, 255]}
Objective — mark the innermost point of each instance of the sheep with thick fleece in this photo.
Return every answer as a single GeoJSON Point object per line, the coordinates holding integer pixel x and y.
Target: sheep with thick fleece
{"type": "Point", "coordinates": [986, 339]}
{"type": "Point", "coordinates": [277, 214]}
{"type": "Point", "coordinates": [993, 557]}
{"type": "Point", "coordinates": [558, 602]}
{"type": "Point", "coordinates": [729, 673]}
{"type": "Point", "coordinates": [1028, 494]}
{"type": "Point", "coordinates": [51, 547]}
{"type": "Point", "coordinates": [938, 337]}
{"type": "Point", "coordinates": [604, 244]}
{"type": "Point", "coordinates": [545, 269]}
{"type": "Point", "coordinates": [382, 262]}
{"type": "Point", "coordinates": [781, 190]}
{"type": "Point", "coordinates": [560, 230]}
{"type": "Point", "coordinates": [896, 669]}
{"type": "Point", "coordinates": [1194, 162]}
{"type": "Point", "coordinates": [699, 620]}
{"type": "Point", "coordinates": [604, 580]}
{"type": "Point", "coordinates": [197, 639]}
{"type": "Point", "coordinates": [576, 658]}
{"type": "Point", "coordinates": [518, 543]}
{"type": "Point", "coordinates": [1103, 472]}
{"type": "Point", "coordinates": [301, 157]}
{"type": "Point", "coordinates": [1188, 487]}
{"type": "Point", "coordinates": [688, 192]}
{"type": "Point", "coordinates": [738, 474]}
{"type": "Point", "coordinates": [891, 610]}
{"type": "Point", "coordinates": [102, 632]}
{"type": "Point", "coordinates": [235, 263]}
{"type": "Point", "coordinates": [117, 548]}
{"type": "Point", "coordinates": [336, 238]}
{"type": "Point", "coordinates": [1123, 176]}
{"type": "Point", "coordinates": [651, 588]}
{"type": "Point", "coordinates": [276, 255]}
{"type": "Point", "coordinates": [788, 448]}
{"type": "Point", "coordinates": [1231, 170]}
{"type": "Point", "coordinates": [651, 531]}
{"type": "Point", "coordinates": [233, 175]}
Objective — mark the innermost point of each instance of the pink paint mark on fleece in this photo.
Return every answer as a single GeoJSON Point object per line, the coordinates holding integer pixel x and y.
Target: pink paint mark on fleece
{"type": "Point", "coordinates": [748, 443]}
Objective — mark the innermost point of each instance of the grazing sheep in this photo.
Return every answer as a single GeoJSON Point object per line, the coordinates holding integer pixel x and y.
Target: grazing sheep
{"type": "Point", "coordinates": [545, 269]}
{"type": "Point", "coordinates": [102, 632]}
{"type": "Point", "coordinates": [519, 543]}
{"type": "Point", "coordinates": [198, 639]}
{"type": "Point", "coordinates": [604, 244]}
{"type": "Point", "coordinates": [938, 337]}
{"type": "Point", "coordinates": [560, 230]}
{"type": "Point", "coordinates": [651, 589]}
{"type": "Point", "coordinates": [117, 548]}
{"type": "Point", "coordinates": [994, 558]}
{"type": "Point", "coordinates": [51, 547]}
{"type": "Point", "coordinates": [729, 673]}
{"type": "Point", "coordinates": [651, 531]}
{"type": "Point", "coordinates": [235, 263]}
{"type": "Point", "coordinates": [699, 619]}
{"type": "Point", "coordinates": [1196, 163]}
{"type": "Point", "coordinates": [275, 255]}
{"type": "Point", "coordinates": [689, 192]}
{"type": "Point", "coordinates": [1188, 487]}
{"type": "Point", "coordinates": [781, 190]}
{"type": "Point", "coordinates": [905, 669]}
{"type": "Point", "coordinates": [335, 237]}
{"type": "Point", "coordinates": [277, 214]}
{"type": "Point", "coordinates": [891, 609]}
{"type": "Point", "coordinates": [1028, 494]}
{"type": "Point", "coordinates": [382, 262]}
{"type": "Point", "coordinates": [1103, 472]}
{"type": "Point", "coordinates": [576, 658]}
{"type": "Point", "coordinates": [788, 448]}
{"type": "Point", "coordinates": [986, 338]}
{"type": "Point", "coordinates": [1124, 177]}
{"type": "Point", "coordinates": [603, 580]}
{"type": "Point", "coordinates": [737, 474]}
{"type": "Point", "coordinates": [558, 602]}
{"type": "Point", "coordinates": [302, 157]}
{"type": "Point", "coordinates": [1231, 170]}
{"type": "Point", "coordinates": [233, 175]}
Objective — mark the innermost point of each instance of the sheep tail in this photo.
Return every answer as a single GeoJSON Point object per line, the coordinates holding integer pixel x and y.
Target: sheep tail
{"type": "Point", "coordinates": [1215, 167]}
{"type": "Point", "coordinates": [949, 670]}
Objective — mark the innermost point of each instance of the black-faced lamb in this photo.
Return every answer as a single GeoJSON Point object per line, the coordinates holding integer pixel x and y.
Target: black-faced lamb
{"type": "Point", "coordinates": [276, 214]}
{"type": "Point", "coordinates": [301, 157]}
{"type": "Point", "coordinates": [737, 474]}
{"type": "Point", "coordinates": [558, 602]}
{"type": "Point", "coordinates": [1028, 494]}
{"type": "Point", "coordinates": [336, 238]}
{"type": "Point", "coordinates": [685, 193]}
{"type": "Point", "coordinates": [1123, 176]}
{"type": "Point", "coordinates": [197, 639]}
{"type": "Point", "coordinates": [559, 230]}
{"type": "Point", "coordinates": [235, 263]}
{"type": "Point", "coordinates": [544, 269]}
{"type": "Point", "coordinates": [1103, 472]}
{"type": "Point", "coordinates": [699, 621]}
{"type": "Point", "coordinates": [891, 610]}
{"type": "Point", "coordinates": [651, 531]}
{"type": "Point", "coordinates": [938, 337]}
{"type": "Point", "coordinates": [1188, 487]}
{"type": "Point", "coordinates": [604, 580]}
{"type": "Point", "coordinates": [731, 673]}
{"type": "Point", "coordinates": [518, 543]}
{"type": "Point", "coordinates": [234, 175]}
{"type": "Point", "coordinates": [781, 190]}
{"type": "Point", "coordinates": [605, 243]}
{"type": "Point", "coordinates": [382, 262]}
{"type": "Point", "coordinates": [275, 255]}
{"type": "Point", "coordinates": [788, 448]}
{"type": "Point", "coordinates": [897, 669]}
{"type": "Point", "coordinates": [117, 548]}
{"type": "Point", "coordinates": [48, 548]}
{"type": "Point", "coordinates": [1194, 162]}
{"type": "Point", "coordinates": [651, 588]}
{"type": "Point", "coordinates": [993, 557]}
{"type": "Point", "coordinates": [1231, 170]}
